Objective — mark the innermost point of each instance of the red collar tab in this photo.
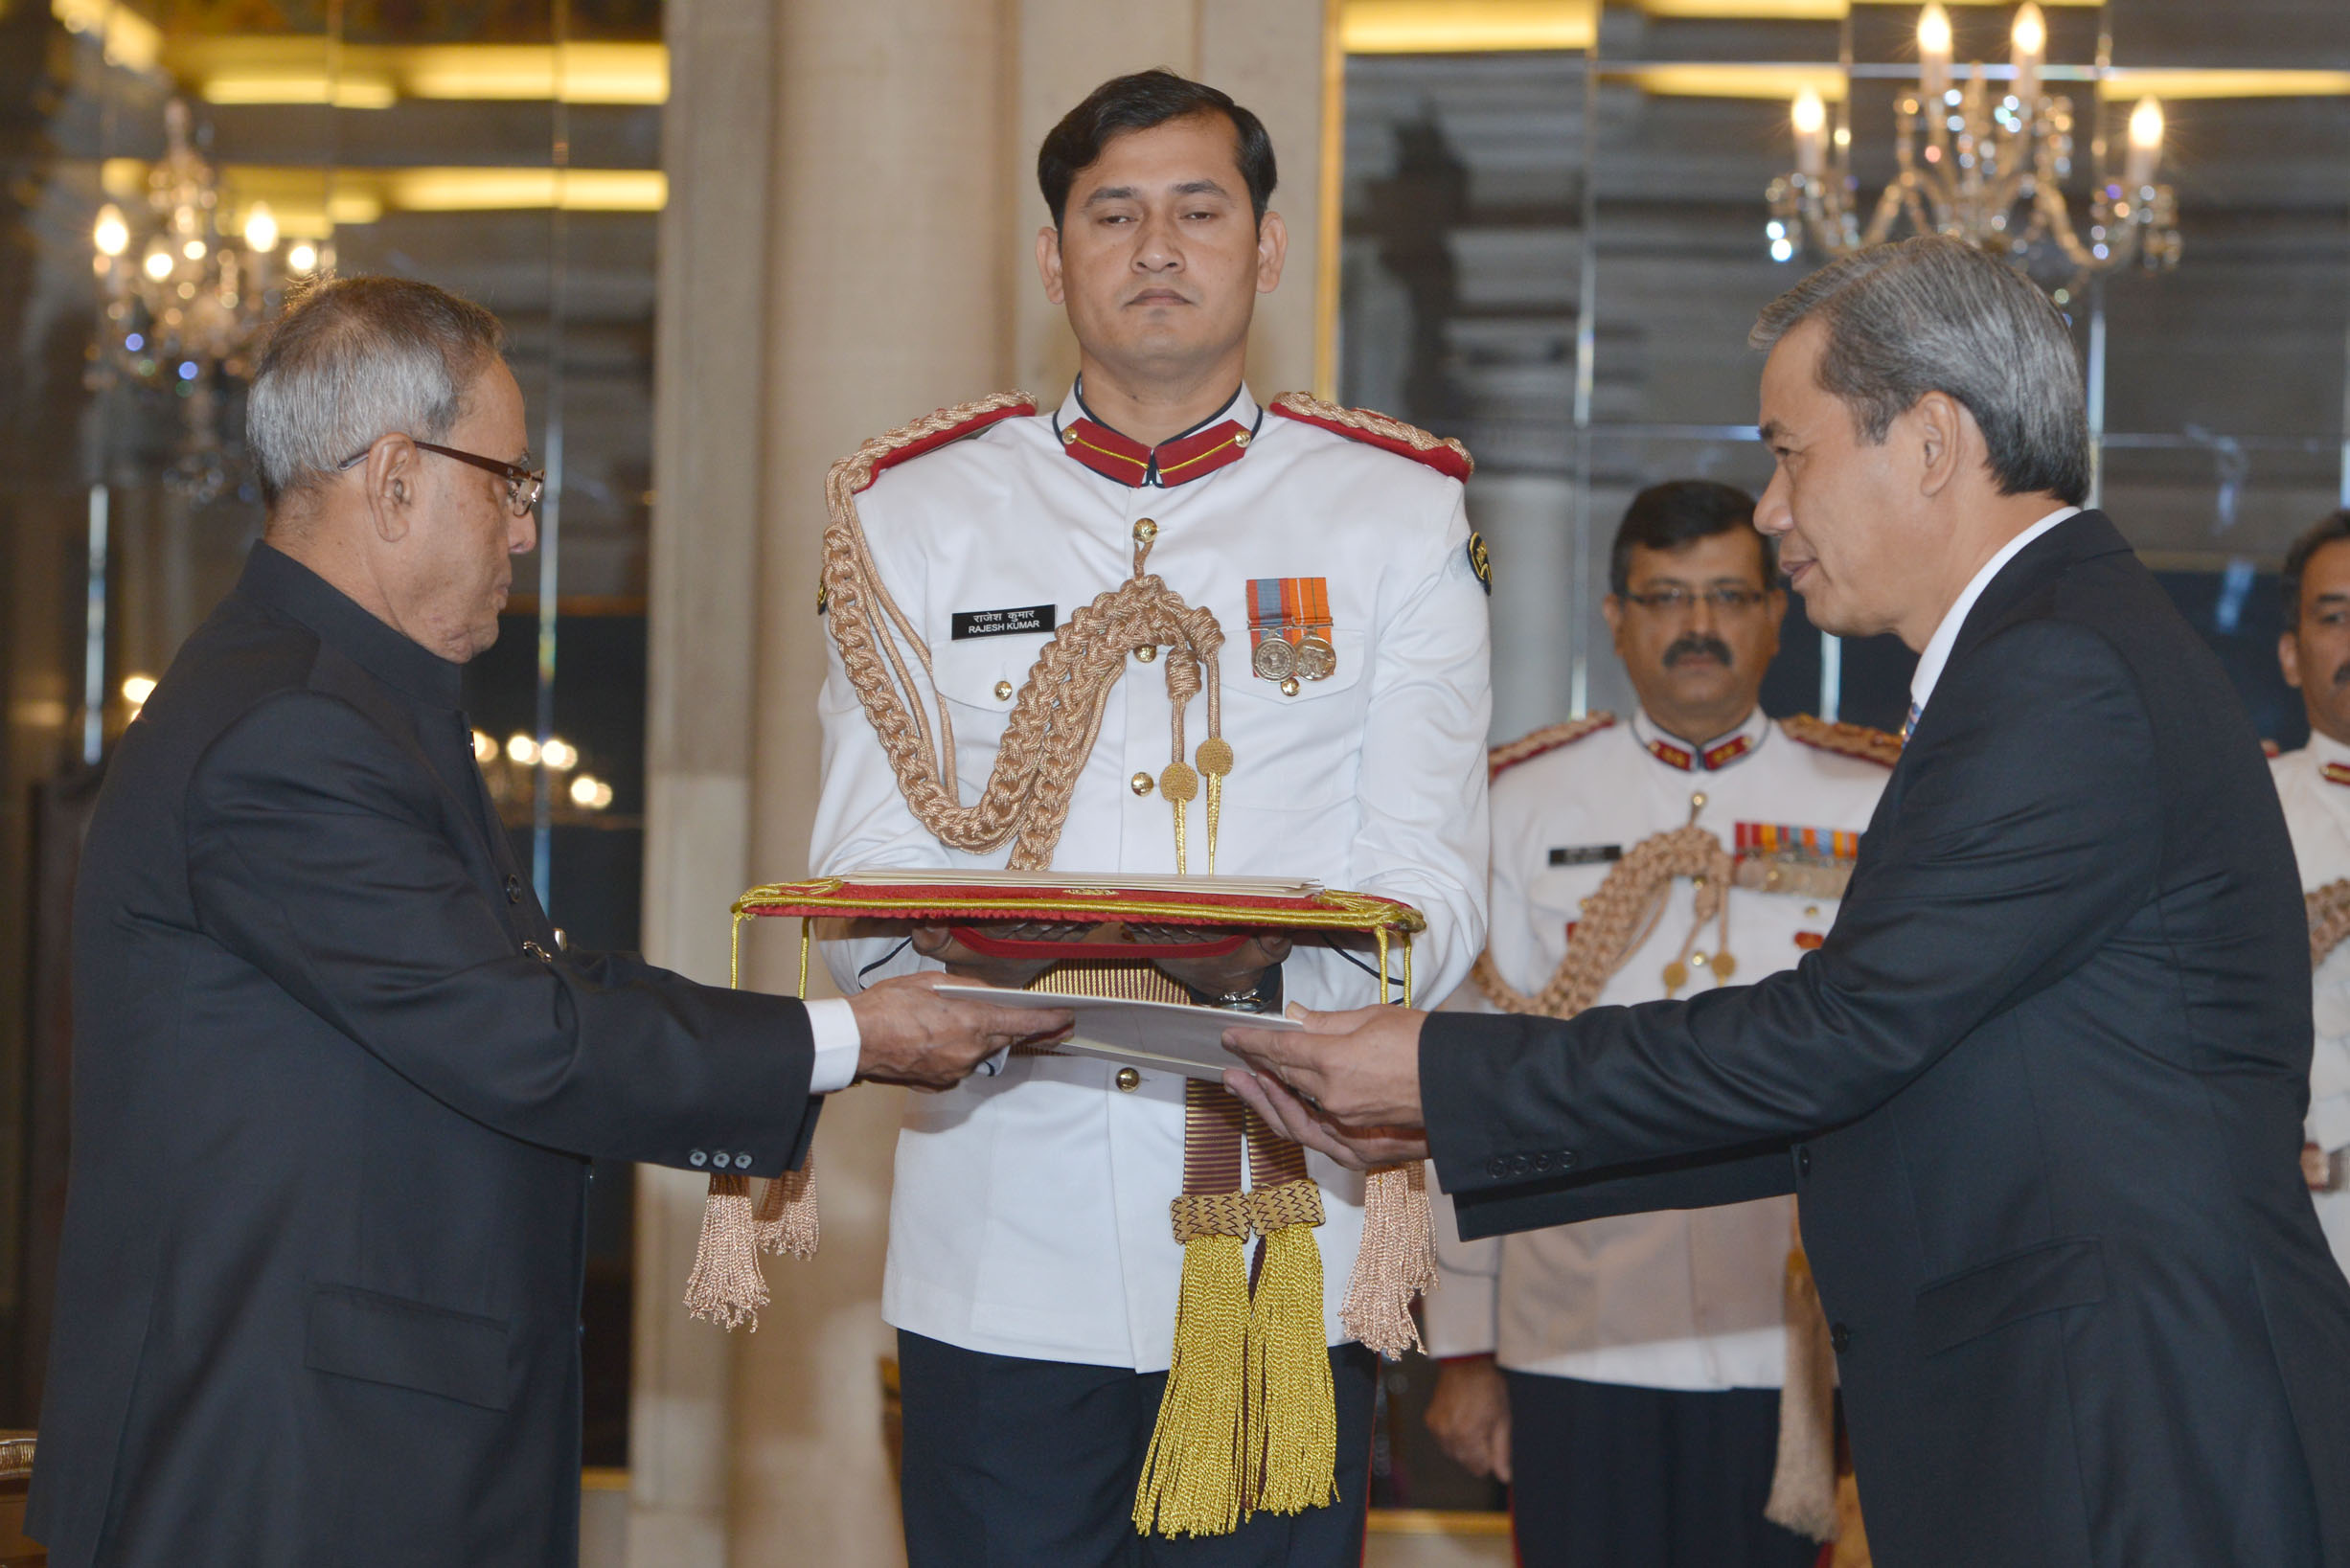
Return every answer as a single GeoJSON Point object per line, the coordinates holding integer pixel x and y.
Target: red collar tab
{"type": "Point", "coordinates": [2334, 772]}
{"type": "Point", "coordinates": [1707, 760]}
{"type": "Point", "coordinates": [1131, 463]}
{"type": "Point", "coordinates": [1004, 405]}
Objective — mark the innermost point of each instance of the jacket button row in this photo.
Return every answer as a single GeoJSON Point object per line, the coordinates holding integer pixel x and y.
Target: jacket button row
{"type": "Point", "coordinates": [1502, 1166]}
{"type": "Point", "coordinates": [697, 1159]}
{"type": "Point", "coordinates": [1840, 1337]}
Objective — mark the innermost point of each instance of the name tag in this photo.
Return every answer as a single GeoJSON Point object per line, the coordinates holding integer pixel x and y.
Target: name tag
{"type": "Point", "coordinates": [1587, 854]}
{"type": "Point", "coordinates": [1005, 622]}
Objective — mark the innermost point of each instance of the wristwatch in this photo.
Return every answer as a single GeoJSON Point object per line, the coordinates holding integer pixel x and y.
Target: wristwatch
{"type": "Point", "coordinates": [1263, 996]}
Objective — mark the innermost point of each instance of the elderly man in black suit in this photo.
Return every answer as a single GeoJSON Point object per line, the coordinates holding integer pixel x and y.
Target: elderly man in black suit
{"type": "Point", "coordinates": [336, 1086]}
{"type": "Point", "coordinates": [2041, 1091]}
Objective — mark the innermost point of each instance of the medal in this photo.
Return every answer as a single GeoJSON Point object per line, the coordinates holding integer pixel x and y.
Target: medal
{"type": "Point", "coordinates": [1289, 631]}
{"type": "Point", "coordinates": [1274, 659]}
{"type": "Point", "coordinates": [1315, 657]}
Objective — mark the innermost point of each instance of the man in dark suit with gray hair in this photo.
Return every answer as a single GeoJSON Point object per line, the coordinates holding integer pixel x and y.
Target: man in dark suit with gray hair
{"type": "Point", "coordinates": [2041, 1091]}
{"type": "Point", "coordinates": [336, 1084]}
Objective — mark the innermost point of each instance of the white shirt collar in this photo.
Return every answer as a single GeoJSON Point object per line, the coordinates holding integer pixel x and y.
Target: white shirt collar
{"type": "Point", "coordinates": [2322, 749]}
{"type": "Point", "coordinates": [1946, 635]}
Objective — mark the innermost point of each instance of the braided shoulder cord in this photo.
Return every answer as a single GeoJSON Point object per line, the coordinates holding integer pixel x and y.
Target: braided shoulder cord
{"type": "Point", "coordinates": [2329, 918]}
{"type": "Point", "coordinates": [1058, 714]}
{"type": "Point", "coordinates": [1617, 919]}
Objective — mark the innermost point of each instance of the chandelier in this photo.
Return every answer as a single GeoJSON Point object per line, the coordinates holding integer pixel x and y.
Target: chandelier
{"type": "Point", "coordinates": [1989, 171]}
{"type": "Point", "coordinates": [183, 304]}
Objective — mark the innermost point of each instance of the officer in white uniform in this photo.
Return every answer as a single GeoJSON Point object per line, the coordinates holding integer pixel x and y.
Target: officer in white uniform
{"type": "Point", "coordinates": [1032, 1272]}
{"type": "Point", "coordinates": [2314, 785]}
{"type": "Point", "coordinates": [1623, 1372]}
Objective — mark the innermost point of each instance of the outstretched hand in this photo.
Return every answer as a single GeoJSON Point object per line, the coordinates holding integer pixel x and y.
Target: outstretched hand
{"type": "Point", "coordinates": [908, 1034]}
{"type": "Point", "coordinates": [1348, 1085]}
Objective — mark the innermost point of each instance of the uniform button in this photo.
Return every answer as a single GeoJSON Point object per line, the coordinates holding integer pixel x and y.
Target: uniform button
{"type": "Point", "coordinates": [721, 1160]}
{"type": "Point", "coordinates": [1241, 440]}
{"type": "Point", "coordinates": [1068, 438]}
{"type": "Point", "coordinates": [1840, 1337]}
{"type": "Point", "coordinates": [697, 1159]}
{"type": "Point", "coordinates": [1802, 1159]}
{"type": "Point", "coordinates": [1003, 691]}
{"type": "Point", "coordinates": [1145, 653]}
{"type": "Point", "coordinates": [1145, 531]}
{"type": "Point", "coordinates": [1129, 1080]}
{"type": "Point", "coordinates": [1140, 784]}
{"type": "Point", "coordinates": [1288, 688]}
{"type": "Point", "coordinates": [513, 888]}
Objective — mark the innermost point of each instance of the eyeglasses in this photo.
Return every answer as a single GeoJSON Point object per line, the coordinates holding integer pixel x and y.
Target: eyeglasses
{"type": "Point", "coordinates": [1681, 601]}
{"type": "Point", "coordinates": [523, 485]}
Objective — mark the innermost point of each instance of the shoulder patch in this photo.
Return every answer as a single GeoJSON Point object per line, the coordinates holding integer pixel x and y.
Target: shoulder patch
{"type": "Point", "coordinates": [1445, 455]}
{"type": "Point", "coordinates": [1879, 746]}
{"type": "Point", "coordinates": [929, 434]}
{"type": "Point", "coordinates": [1481, 562]}
{"type": "Point", "coordinates": [1548, 739]}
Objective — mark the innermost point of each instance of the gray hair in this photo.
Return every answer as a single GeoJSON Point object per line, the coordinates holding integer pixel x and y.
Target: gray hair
{"type": "Point", "coordinates": [1935, 315]}
{"type": "Point", "coordinates": [353, 360]}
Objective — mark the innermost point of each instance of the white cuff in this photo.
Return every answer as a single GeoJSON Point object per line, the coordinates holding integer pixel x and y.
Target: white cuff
{"type": "Point", "coordinates": [832, 1023]}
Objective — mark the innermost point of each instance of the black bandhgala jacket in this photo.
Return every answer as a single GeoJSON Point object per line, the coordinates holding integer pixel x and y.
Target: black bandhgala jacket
{"type": "Point", "coordinates": [334, 1095]}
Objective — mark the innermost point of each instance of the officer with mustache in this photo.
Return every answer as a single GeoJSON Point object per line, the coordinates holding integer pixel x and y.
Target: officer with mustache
{"type": "Point", "coordinates": [2314, 785]}
{"type": "Point", "coordinates": [1625, 1372]}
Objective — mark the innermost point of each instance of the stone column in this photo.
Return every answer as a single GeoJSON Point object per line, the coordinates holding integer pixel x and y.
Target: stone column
{"type": "Point", "coordinates": [710, 372]}
{"type": "Point", "coordinates": [885, 295]}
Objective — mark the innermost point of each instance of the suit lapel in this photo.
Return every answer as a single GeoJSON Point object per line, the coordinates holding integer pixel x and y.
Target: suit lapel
{"type": "Point", "coordinates": [2080, 537]}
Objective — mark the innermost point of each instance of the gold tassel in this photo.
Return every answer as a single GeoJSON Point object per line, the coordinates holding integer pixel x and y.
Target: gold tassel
{"type": "Point", "coordinates": [727, 1287]}
{"type": "Point", "coordinates": [787, 1216]}
{"type": "Point", "coordinates": [1397, 1263]}
{"type": "Point", "coordinates": [1803, 1483]}
{"type": "Point", "coordinates": [1292, 1415]}
{"type": "Point", "coordinates": [1191, 1477]}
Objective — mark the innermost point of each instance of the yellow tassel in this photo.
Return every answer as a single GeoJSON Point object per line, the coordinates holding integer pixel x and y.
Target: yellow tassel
{"type": "Point", "coordinates": [727, 1287]}
{"type": "Point", "coordinates": [786, 1217]}
{"type": "Point", "coordinates": [1292, 1414]}
{"type": "Point", "coordinates": [1191, 1478]}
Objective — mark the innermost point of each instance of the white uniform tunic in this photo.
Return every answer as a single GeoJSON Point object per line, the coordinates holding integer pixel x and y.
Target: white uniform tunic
{"type": "Point", "coordinates": [2318, 815]}
{"type": "Point", "coordinates": [1680, 1299]}
{"type": "Point", "coordinates": [1030, 1215]}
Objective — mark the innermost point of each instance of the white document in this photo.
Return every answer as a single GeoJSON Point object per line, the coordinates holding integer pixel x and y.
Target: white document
{"type": "Point", "coordinates": [1165, 1036]}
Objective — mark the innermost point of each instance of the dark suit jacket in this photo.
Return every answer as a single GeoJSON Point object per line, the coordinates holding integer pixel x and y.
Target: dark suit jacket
{"type": "Point", "coordinates": [318, 1302]}
{"type": "Point", "coordinates": [2041, 1094]}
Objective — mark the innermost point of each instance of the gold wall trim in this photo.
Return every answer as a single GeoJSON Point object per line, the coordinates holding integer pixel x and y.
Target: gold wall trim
{"type": "Point", "coordinates": [309, 201]}
{"type": "Point", "coordinates": [1437, 26]}
{"type": "Point", "coordinates": [1437, 1521]}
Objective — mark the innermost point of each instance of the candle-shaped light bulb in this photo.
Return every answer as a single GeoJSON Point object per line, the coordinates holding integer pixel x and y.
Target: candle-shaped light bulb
{"type": "Point", "coordinates": [2145, 142]}
{"type": "Point", "coordinates": [1810, 118]}
{"type": "Point", "coordinates": [2029, 39]}
{"type": "Point", "coordinates": [110, 234]}
{"type": "Point", "coordinates": [1934, 55]}
{"type": "Point", "coordinates": [261, 229]}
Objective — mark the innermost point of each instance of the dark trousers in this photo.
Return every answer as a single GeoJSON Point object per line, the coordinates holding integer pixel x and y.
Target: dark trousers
{"type": "Point", "coordinates": [1017, 1463]}
{"type": "Point", "coordinates": [1606, 1476]}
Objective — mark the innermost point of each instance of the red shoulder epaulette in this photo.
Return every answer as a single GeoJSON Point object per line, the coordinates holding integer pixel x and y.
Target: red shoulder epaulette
{"type": "Point", "coordinates": [947, 424]}
{"type": "Point", "coordinates": [1442, 453]}
{"type": "Point", "coordinates": [1548, 739]}
{"type": "Point", "coordinates": [1879, 746]}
